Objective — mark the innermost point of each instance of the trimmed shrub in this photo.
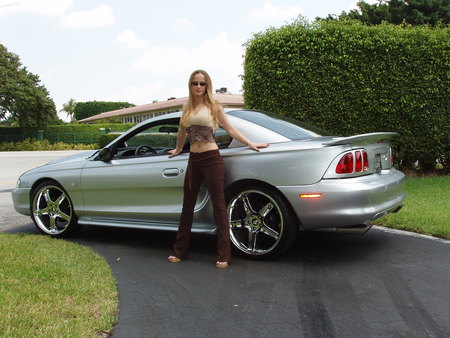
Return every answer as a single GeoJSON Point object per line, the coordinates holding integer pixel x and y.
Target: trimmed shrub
{"type": "Point", "coordinates": [349, 78]}
{"type": "Point", "coordinates": [34, 145]}
{"type": "Point", "coordinates": [104, 139]}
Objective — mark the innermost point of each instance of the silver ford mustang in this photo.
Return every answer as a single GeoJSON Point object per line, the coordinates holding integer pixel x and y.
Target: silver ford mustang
{"type": "Point", "coordinates": [304, 181]}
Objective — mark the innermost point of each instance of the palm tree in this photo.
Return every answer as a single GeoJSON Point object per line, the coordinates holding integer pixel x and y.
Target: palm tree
{"type": "Point", "coordinates": [69, 108]}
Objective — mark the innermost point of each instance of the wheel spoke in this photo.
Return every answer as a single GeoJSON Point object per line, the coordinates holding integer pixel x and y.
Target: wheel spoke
{"type": "Point", "coordinates": [59, 212]}
{"type": "Point", "coordinates": [237, 224]}
{"type": "Point", "coordinates": [247, 205]}
{"type": "Point", "coordinates": [52, 223]}
{"type": "Point", "coordinates": [60, 199]}
{"type": "Point", "coordinates": [63, 215]}
{"type": "Point", "coordinates": [270, 232]}
{"type": "Point", "coordinates": [252, 241]}
{"type": "Point", "coordinates": [266, 209]}
{"type": "Point", "coordinates": [46, 195]}
{"type": "Point", "coordinates": [42, 212]}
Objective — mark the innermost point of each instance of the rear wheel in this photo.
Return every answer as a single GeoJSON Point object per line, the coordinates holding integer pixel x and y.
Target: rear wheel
{"type": "Point", "coordinates": [52, 210]}
{"type": "Point", "coordinates": [262, 225]}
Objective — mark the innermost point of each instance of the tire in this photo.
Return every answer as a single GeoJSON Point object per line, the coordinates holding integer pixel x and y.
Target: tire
{"type": "Point", "coordinates": [52, 210]}
{"type": "Point", "coordinates": [262, 225]}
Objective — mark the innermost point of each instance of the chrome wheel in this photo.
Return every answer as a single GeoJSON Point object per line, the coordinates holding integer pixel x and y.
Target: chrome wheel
{"type": "Point", "coordinates": [259, 222]}
{"type": "Point", "coordinates": [52, 210]}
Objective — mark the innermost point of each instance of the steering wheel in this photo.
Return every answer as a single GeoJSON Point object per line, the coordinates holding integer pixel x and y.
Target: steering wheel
{"type": "Point", "coordinates": [144, 149]}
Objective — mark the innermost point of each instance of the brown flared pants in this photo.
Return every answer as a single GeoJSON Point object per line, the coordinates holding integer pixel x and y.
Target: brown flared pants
{"type": "Point", "coordinates": [206, 166]}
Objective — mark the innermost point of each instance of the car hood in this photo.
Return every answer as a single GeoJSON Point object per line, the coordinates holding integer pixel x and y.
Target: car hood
{"type": "Point", "coordinates": [74, 157]}
{"type": "Point", "coordinates": [75, 161]}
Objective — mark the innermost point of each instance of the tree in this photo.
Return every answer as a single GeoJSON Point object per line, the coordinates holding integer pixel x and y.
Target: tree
{"type": "Point", "coordinates": [69, 108]}
{"type": "Point", "coordinates": [22, 97]}
{"type": "Point", "coordinates": [414, 12]}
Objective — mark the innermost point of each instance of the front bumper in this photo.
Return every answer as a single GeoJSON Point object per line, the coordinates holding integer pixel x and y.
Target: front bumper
{"type": "Point", "coordinates": [347, 202]}
{"type": "Point", "coordinates": [21, 200]}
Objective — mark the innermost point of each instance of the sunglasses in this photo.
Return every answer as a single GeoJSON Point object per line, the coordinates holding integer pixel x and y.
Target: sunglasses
{"type": "Point", "coordinates": [195, 83]}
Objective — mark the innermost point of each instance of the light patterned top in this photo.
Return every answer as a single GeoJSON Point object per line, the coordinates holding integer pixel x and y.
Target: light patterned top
{"type": "Point", "coordinates": [200, 126]}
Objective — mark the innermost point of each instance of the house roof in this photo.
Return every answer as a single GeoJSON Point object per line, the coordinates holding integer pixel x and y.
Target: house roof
{"type": "Point", "coordinates": [227, 100]}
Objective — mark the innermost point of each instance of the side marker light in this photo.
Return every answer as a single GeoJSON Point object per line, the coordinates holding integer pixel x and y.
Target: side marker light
{"type": "Point", "coordinates": [315, 195]}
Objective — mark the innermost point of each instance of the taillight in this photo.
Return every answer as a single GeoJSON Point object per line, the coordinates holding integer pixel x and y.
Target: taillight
{"type": "Point", "coordinates": [359, 161]}
{"type": "Point", "coordinates": [345, 165]}
{"type": "Point", "coordinates": [351, 162]}
{"type": "Point", "coordinates": [365, 161]}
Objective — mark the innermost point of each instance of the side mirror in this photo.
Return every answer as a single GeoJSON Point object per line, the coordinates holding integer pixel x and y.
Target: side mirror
{"type": "Point", "coordinates": [105, 154]}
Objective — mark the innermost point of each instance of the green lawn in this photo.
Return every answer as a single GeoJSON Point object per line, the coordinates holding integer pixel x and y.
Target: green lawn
{"type": "Point", "coordinates": [54, 288]}
{"type": "Point", "coordinates": [426, 208]}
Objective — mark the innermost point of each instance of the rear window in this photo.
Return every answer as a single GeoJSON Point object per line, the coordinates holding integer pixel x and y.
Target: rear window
{"type": "Point", "coordinates": [285, 126]}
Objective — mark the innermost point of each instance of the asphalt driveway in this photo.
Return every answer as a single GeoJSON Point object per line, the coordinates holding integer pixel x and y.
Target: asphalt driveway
{"type": "Point", "coordinates": [382, 284]}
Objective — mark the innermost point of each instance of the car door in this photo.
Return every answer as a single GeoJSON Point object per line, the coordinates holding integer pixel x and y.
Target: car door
{"type": "Point", "coordinates": [140, 185]}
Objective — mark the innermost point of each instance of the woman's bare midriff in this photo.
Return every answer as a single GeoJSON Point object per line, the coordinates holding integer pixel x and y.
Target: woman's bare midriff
{"type": "Point", "coordinates": [200, 147]}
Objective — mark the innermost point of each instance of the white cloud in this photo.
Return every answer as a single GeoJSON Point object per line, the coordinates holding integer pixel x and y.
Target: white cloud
{"type": "Point", "coordinates": [129, 39]}
{"type": "Point", "coordinates": [183, 24]}
{"type": "Point", "coordinates": [42, 7]}
{"type": "Point", "coordinates": [218, 53]}
{"type": "Point", "coordinates": [220, 57]}
{"type": "Point", "coordinates": [273, 14]}
{"type": "Point", "coordinates": [97, 17]}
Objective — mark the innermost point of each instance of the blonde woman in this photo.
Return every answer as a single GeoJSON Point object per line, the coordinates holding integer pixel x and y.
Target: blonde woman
{"type": "Point", "coordinates": [201, 116]}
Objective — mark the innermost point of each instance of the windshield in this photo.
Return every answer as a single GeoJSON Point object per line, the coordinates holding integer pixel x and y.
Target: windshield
{"type": "Point", "coordinates": [285, 126]}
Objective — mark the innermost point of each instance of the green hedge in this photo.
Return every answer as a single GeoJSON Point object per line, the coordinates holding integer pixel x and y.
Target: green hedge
{"type": "Point", "coordinates": [83, 133]}
{"type": "Point", "coordinates": [15, 134]}
{"type": "Point", "coordinates": [105, 139]}
{"type": "Point", "coordinates": [349, 78]}
{"type": "Point", "coordinates": [68, 133]}
{"type": "Point", "coordinates": [161, 140]}
{"type": "Point", "coordinates": [77, 128]}
{"type": "Point", "coordinates": [34, 145]}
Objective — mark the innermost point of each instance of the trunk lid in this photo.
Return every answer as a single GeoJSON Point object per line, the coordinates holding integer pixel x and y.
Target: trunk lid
{"type": "Point", "coordinates": [377, 146]}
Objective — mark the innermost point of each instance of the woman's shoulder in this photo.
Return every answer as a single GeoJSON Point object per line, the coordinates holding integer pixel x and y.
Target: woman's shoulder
{"type": "Point", "coordinates": [219, 107]}
{"type": "Point", "coordinates": [218, 104]}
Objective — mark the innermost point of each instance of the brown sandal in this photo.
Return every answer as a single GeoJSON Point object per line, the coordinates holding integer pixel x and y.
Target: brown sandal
{"type": "Point", "coordinates": [173, 259]}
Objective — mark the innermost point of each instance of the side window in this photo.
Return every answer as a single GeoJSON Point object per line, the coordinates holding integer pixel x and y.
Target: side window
{"type": "Point", "coordinates": [155, 140]}
{"type": "Point", "coordinates": [223, 140]}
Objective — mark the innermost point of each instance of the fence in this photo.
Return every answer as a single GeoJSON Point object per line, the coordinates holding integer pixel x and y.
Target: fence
{"type": "Point", "coordinates": [12, 138]}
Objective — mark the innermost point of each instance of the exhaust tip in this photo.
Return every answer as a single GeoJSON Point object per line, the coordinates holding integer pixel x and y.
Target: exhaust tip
{"type": "Point", "coordinates": [355, 229]}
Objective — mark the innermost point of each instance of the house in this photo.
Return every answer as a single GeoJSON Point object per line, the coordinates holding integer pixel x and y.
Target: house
{"type": "Point", "coordinates": [140, 113]}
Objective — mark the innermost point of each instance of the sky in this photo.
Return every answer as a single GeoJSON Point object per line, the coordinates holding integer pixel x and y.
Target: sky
{"type": "Point", "coordinates": [139, 51]}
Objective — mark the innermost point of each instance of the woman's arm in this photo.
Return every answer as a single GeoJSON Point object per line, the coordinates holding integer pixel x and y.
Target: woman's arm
{"type": "Point", "coordinates": [181, 139]}
{"type": "Point", "coordinates": [236, 134]}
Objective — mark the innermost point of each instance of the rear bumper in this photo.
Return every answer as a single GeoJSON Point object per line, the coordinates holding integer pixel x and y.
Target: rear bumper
{"type": "Point", "coordinates": [347, 202]}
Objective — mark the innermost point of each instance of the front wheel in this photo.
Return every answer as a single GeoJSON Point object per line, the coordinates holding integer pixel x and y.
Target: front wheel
{"type": "Point", "coordinates": [262, 225]}
{"type": "Point", "coordinates": [52, 210]}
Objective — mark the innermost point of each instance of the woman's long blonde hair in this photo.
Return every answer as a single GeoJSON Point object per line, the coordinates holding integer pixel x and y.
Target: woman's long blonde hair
{"type": "Point", "coordinates": [210, 101]}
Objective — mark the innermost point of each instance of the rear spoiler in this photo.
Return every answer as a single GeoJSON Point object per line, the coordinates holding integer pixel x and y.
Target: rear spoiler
{"type": "Point", "coordinates": [362, 139]}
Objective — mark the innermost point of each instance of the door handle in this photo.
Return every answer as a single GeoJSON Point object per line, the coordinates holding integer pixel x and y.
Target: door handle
{"type": "Point", "coordinates": [171, 172]}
